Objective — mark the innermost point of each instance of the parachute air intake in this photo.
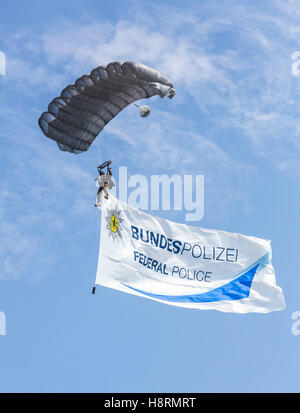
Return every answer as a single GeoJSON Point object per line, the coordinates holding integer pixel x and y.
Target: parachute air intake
{"type": "Point", "coordinates": [78, 115]}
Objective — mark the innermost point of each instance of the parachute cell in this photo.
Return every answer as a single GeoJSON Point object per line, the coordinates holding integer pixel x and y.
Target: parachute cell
{"type": "Point", "coordinates": [81, 112]}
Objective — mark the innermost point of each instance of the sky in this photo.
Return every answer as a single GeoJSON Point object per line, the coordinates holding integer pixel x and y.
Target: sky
{"type": "Point", "coordinates": [234, 120]}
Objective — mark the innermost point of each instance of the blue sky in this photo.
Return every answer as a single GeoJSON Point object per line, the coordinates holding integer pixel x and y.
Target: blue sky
{"type": "Point", "coordinates": [234, 119]}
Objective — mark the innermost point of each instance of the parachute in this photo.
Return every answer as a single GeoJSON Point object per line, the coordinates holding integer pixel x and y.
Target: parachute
{"type": "Point", "coordinates": [79, 114]}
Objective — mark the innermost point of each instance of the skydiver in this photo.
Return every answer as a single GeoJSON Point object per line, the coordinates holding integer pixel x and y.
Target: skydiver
{"type": "Point", "coordinates": [105, 182]}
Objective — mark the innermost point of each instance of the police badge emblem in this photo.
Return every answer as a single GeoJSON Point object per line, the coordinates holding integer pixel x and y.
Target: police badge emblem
{"type": "Point", "coordinates": [113, 221]}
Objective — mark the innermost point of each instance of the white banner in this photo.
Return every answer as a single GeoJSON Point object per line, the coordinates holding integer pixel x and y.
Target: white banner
{"type": "Point", "coordinates": [183, 265]}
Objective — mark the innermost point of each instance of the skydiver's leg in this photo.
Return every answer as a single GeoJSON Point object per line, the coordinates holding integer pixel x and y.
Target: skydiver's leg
{"type": "Point", "coordinates": [106, 193]}
{"type": "Point", "coordinates": [99, 196]}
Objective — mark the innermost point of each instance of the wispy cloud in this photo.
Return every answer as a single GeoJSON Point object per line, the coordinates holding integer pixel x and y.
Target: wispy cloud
{"type": "Point", "coordinates": [231, 69]}
{"type": "Point", "coordinates": [246, 83]}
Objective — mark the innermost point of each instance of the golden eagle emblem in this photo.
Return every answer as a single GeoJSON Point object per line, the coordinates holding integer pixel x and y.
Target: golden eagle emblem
{"type": "Point", "coordinates": [113, 223]}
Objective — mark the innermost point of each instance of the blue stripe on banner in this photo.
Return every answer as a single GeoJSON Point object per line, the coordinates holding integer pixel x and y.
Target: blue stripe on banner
{"type": "Point", "coordinates": [234, 290]}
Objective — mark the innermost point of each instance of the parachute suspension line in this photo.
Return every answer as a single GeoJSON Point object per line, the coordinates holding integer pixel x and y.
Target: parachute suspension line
{"type": "Point", "coordinates": [97, 145]}
{"type": "Point", "coordinates": [98, 149]}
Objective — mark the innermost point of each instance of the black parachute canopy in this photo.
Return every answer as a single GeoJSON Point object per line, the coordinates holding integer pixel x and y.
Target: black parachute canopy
{"type": "Point", "coordinates": [79, 114]}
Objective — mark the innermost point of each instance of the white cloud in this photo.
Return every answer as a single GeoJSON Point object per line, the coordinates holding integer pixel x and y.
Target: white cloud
{"type": "Point", "coordinates": [249, 80]}
{"type": "Point", "coordinates": [243, 86]}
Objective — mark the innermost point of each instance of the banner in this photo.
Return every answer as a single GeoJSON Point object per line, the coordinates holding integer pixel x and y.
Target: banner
{"type": "Point", "coordinates": [183, 265]}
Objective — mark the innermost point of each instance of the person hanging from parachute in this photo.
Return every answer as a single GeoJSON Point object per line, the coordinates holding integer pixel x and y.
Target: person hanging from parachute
{"type": "Point", "coordinates": [76, 117]}
{"type": "Point", "coordinates": [104, 182]}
